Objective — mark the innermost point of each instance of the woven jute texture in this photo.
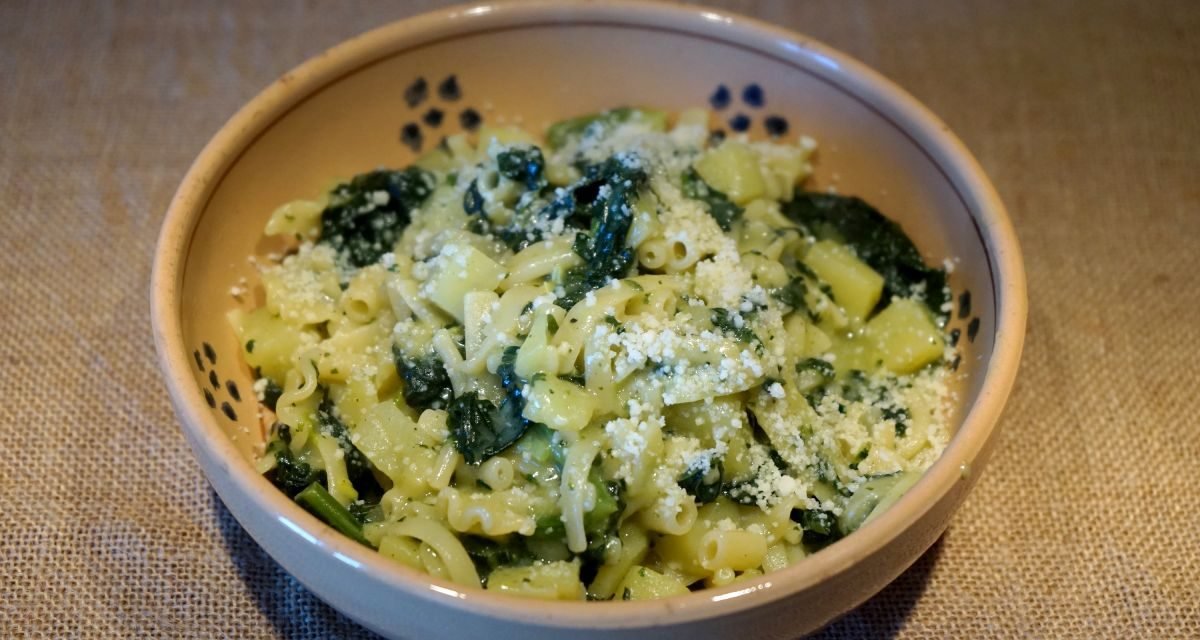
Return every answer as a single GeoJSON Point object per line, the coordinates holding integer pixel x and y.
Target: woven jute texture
{"type": "Point", "coordinates": [1085, 114]}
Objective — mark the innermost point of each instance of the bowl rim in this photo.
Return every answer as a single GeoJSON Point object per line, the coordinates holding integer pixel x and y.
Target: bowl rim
{"type": "Point", "coordinates": [928, 132]}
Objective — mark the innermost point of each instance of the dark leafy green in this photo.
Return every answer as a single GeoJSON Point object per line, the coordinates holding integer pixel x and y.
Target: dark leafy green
{"type": "Point", "coordinates": [900, 416]}
{"type": "Point", "coordinates": [360, 229]}
{"type": "Point", "coordinates": [605, 198]}
{"type": "Point", "coordinates": [472, 199]}
{"type": "Point", "coordinates": [271, 393]}
{"type": "Point", "coordinates": [723, 319]}
{"type": "Point", "coordinates": [720, 207]}
{"type": "Point", "coordinates": [878, 241]}
{"type": "Point", "coordinates": [489, 555]}
{"type": "Point", "coordinates": [426, 384]}
{"type": "Point", "coordinates": [820, 527]}
{"type": "Point", "coordinates": [704, 481]}
{"type": "Point", "coordinates": [793, 295]}
{"type": "Point", "coordinates": [524, 165]}
{"type": "Point", "coordinates": [358, 468]}
{"type": "Point", "coordinates": [481, 429]}
{"type": "Point", "coordinates": [813, 373]}
{"type": "Point", "coordinates": [290, 474]}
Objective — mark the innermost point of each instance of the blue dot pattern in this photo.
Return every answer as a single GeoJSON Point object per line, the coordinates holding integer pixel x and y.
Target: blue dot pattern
{"type": "Point", "coordinates": [776, 126]}
{"type": "Point", "coordinates": [412, 135]}
{"type": "Point", "coordinates": [720, 98]}
{"type": "Point", "coordinates": [753, 96]}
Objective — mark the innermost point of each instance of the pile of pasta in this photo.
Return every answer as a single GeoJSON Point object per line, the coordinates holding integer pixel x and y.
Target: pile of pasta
{"type": "Point", "coordinates": [628, 360]}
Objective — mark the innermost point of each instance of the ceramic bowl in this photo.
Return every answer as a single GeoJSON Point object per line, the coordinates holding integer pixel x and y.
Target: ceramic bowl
{"type": "Point", "coordinates": [381, 98]}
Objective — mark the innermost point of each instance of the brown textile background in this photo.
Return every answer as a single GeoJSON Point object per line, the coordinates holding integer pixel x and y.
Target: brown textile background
{"type": "Point", "coordinates": [1086, 114]}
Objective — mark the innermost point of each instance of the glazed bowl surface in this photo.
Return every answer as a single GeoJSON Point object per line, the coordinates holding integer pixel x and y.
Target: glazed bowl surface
{"type": "Point", "coordinates": [371, 102]}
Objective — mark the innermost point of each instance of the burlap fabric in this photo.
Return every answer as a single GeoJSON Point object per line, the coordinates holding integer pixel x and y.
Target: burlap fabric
{"type": "Point", "coordinates": [1084, 113]}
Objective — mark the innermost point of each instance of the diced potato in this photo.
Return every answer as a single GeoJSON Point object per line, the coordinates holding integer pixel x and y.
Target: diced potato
{"type": "Point", "coordinates": [536, 355]}
{"type": "Point", "coordinates": [816, 341]}
{"type": "Point", "coordinates": [267, 341]}
{"type": "Point", "coordinates": [905, 335]}
{"type": "Point", "coordinates": [796, 328]}
{"type": "Point", "coordinates": [459, 269]}
{"type": "Point", "coordinates": [559, 404]}
{"type": "Point", "coordinates": [854, 353]}
{"type": "Point", "coordinates": [384, 436]}
{"type": "Point", "coordinates": [856, 286]}
{"type": "Point", "coordinates": [732, 169]}
{"type": "Point", "coordinates": [642, 583]}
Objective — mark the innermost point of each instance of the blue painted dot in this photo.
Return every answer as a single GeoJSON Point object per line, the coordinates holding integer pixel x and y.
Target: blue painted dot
{"type": "Point", "coordinates": [720, 98]}
{"type": "Point", "coordinates": [416, 92]}
{"type": "Point", "coordinates": [753, 96]}
{"type": "Point", "coordinates": [433, 117]}
{"type": "Point", "coordinates": [449, 89]}
{"type": "Point", "coordinates": [469, 119]}
{"type": "Point", "coordinates": [410, 136]}
{"type": "Point", "coordinates": [739, 123]}
{"type": "Point", "coordinates": [776, 126]}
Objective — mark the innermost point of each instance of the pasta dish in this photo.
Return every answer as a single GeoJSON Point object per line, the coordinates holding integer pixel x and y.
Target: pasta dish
{"type": "Point", "coordinates": [627, 360]}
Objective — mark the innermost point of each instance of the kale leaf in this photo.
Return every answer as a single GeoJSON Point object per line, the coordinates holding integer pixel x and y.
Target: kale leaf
{"type": "Point", "coordinates": [704, 481]}
{"type": "Point", "coordinates": [480, 429]}
{"type": "Point", "coordinates": [290, 474]}
{"type": "Point", "coordinates": [271, 393]}
{"type": "Point", "coordinates": [358, 469]}
{"type": "Point", "coordinates": [793, 295]}
{"type": "Point", "coordinates": [604, 198]}
{"type": "Point", "coordinates": [723, 319]}
{"type": "Point", "coordinates": [524, 165]}
{"type": "Point", "coordinates": [878, 241]}
{"type": "Point", "coordinates": [360, 226]}
{"type": "Point", "coordinates": [900, 416]}
{"type": "Point", "coordinates": [719, 206]}
{"type": "Point", "coordinates": [813, 373]}
{"type": "Point", "coordinates": [489, 555]}
{"type": "Point", "coordinates": [426, 384]}
{"type": "Point", "coordinates": [532, 211]}
{"type": "Point", "coordinates": [820, 527]}
{"type": "Point", "coordinates": [473, 200]}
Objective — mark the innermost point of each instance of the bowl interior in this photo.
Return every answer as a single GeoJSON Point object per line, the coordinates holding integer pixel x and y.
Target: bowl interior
{"type": "Point", "coordinates": [384, 112]}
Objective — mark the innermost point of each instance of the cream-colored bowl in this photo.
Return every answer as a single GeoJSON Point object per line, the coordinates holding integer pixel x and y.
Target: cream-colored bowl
{"type": "Point", "coordinates": [373, 101]}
